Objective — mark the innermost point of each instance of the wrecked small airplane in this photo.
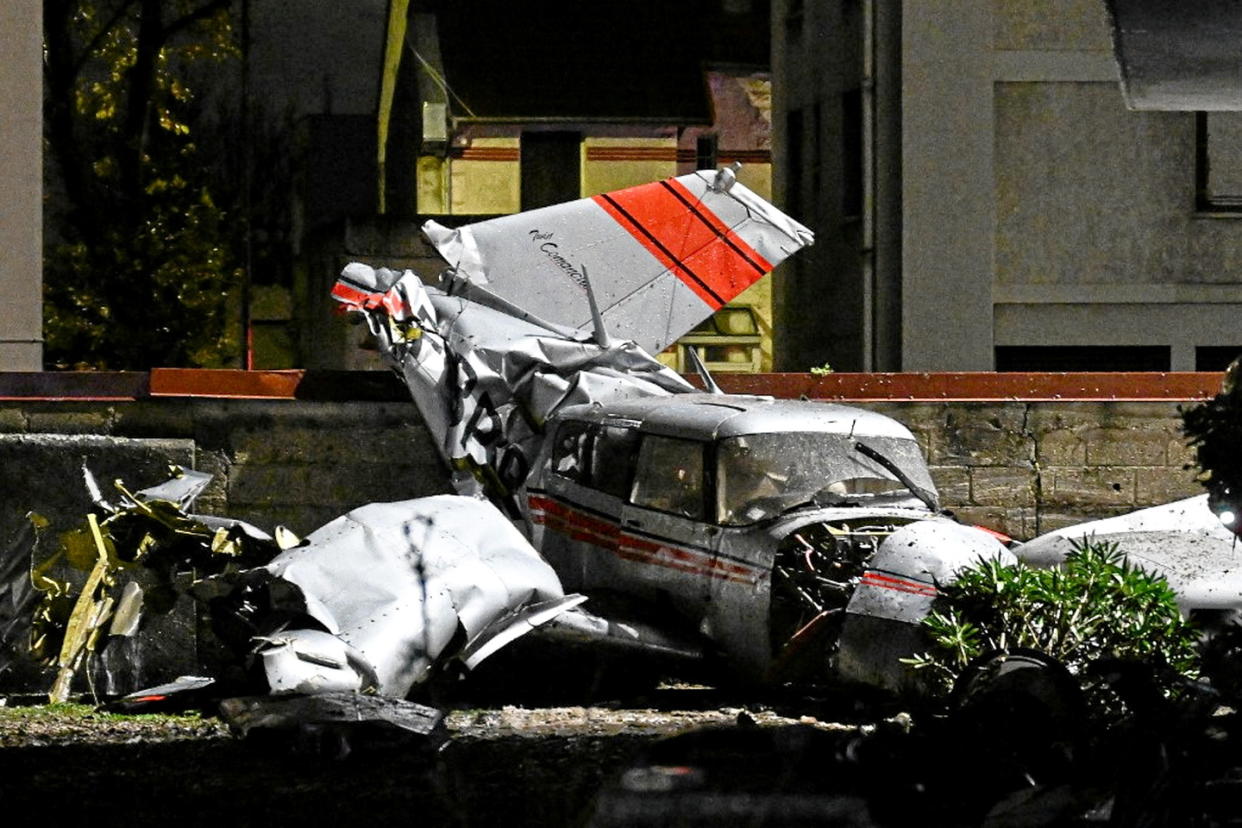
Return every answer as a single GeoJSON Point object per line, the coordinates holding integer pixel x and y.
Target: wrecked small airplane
{"type": "Point", "coordinates": [753, 532]}
{"type": "Point", "coordinates": [771, 540]}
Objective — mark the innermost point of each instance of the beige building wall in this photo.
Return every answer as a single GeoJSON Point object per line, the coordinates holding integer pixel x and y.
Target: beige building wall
{"type": "Point", "coordinates": [1098, 238]}
{"type": "Point", "coordinates": [1031, 207]}
{"type": "Point", "coordinates": [1038, 209]}
{"type": "Point", "coordinates": [21, 196]}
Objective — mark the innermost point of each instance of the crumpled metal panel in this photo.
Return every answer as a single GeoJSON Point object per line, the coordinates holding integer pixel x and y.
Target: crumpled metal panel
{"type": "Point", "coordinates": [487, 381]}
{"type": "Point", "coordinates": [884, 616]}
{"type": "Point", "coordinates": [394, 582]}
{"type": "Point", "coordinates": [670, 252]}
{"type": "Point", "coordinates": [1178, 56]}
{"type": "Point", "coordinates": [1182, 541]}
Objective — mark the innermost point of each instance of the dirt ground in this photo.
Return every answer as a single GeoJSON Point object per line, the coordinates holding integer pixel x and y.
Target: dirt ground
{"type": "Point", "coordinates": [501, 765]}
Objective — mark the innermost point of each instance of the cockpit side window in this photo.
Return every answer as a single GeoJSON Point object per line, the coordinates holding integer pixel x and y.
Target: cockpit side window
{"type": "Point", "coordinates": [669, 477]}
{"type": "Point", "coordinates": [612, 460]}
{"type": "Point", "coordinates": [571, 452]}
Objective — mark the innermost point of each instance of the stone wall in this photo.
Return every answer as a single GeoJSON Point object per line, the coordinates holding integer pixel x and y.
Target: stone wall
{"type": "Point", "coordinates": [290, 462]}
{"type": "Point", "coordinates": [1018, 467]}
{"type": "Point", "coordinates": [1024, 468]}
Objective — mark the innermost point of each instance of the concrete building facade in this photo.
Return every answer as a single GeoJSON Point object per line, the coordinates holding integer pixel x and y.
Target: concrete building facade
{"type": "Point", "coordinates": [21, 197]}
{"type": "Point", "coordinates": [984, 199]}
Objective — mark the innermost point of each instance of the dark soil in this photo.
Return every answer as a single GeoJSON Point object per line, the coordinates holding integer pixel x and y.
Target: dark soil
{"type": "Point", "coordinates": [506, 765]}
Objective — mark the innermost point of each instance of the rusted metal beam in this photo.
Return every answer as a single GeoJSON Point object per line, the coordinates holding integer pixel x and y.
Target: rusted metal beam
{"type": "Point", "coordinates": [979, 386]}
{"type": "Point", "coordinates": [383, 386]}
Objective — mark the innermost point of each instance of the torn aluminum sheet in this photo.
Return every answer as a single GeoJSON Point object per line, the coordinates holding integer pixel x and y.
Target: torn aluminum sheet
{"type": "Point", "coordinates": [1184, 541]}
{"type": "Point", "coordinates": [371, 602]}
{"type": "Point", "coordinates": [395, 588]}
{"type": "Point", "coordinates": [131, 555]}
{"type": "Point", "coordinates": [484, 381]}
{"type": "Point", "coordinates": [883, 619]}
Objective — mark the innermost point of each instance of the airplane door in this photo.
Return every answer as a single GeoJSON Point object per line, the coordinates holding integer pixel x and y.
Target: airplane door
{"type": "Point", "coordinates": [666, 537]}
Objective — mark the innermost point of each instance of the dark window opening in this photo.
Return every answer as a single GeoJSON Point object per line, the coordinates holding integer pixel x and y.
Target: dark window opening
{"type": "Point", "coordinates": [1218, 162]}
{"type": "Point", "coordinates": [613, 457]}
{"type": "Point", "coordinates": [851, 153]}
{"type": "Point", "coordinates": [1216, 357]}
{"type": "Point", "coordinates": [571, 452]}
{"type": "Point", "coordinates": [551, 168]}
{"type": "Point", "coordinates": [1083, 358]}
{"type": "Point", "coordinates": [705, 152]}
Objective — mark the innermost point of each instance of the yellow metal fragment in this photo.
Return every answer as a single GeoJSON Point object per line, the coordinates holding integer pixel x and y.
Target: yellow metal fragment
{"type": "Point", "coordinates": [88, 613]}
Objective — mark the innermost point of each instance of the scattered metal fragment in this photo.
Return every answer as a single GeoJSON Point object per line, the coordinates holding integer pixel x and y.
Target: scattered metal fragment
{"type": "Point", "coordinates": [287, 712]}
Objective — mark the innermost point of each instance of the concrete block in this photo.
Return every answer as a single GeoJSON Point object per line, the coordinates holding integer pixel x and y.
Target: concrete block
{"type": "Point", "coordinates": [1164, 484]}
{"type": "Point", "coordinates": [43, 472]}
{"type": "Point", "coordinates": [154, 418]}
{"type": "Point", "coordinates": [978, 434]}
{"type": "Point", "coordinates": [953, 484]}
{"type": "Point", "coordinates": [1101, 486]}
{"type": "Point", "coordinates": [12, 420]}
{"type": "Point", "coordinates": [1062, 447]}
{"type": "Point", "coordinates": [1126, 446]}
{"type": "Point", "coordinates": [1002, 486]}
{"type": "Point", "coordinates": [1179, 455]}
{"type": "Point", "coordinates": [270, 483]}
{"type": "Point", "coordinates": [70, 418]}
{"type": "Point", "coordinates": [214, 499]}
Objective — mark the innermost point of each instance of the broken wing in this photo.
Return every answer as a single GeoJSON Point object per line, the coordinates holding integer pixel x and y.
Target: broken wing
{"type": "Point", "coordinates": [660, 257]}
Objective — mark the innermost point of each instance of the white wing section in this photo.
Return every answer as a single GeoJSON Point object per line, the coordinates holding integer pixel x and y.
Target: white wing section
{"type": "Point", "coordinates": [660, 257]}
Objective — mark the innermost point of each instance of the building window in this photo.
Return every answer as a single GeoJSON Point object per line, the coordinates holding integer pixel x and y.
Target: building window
{"type": "Point", "coordinates": [851, 153]}
{"type": "Point", "coordinates": [1218, 162]}
{"type": "Point", "coordinates": [705, 148]}
{"type": "Point", "coordinates": [551, 168]}
{"type": "Point", "coordinates": [1216, 357]}
{"type": "Point", "coordinates": [1083, 357]}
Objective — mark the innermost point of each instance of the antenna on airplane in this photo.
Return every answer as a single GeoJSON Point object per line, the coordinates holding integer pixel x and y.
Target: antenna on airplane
{"type": "Point", "coordinates": [701, 370]}
{"type": "Point", "coordinates": [601, 333]}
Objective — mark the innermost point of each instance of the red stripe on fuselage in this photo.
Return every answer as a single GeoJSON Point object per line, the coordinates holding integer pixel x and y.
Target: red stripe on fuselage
{"type": "Point", "coordinates": [606, 535]}
{"type": "Point", "coordinates": [687, 238]}
{"type": "Point", "coordinates": [875, 579]}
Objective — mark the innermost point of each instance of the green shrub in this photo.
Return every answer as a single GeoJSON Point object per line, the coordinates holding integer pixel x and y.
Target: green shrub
{"type": "Point", "coordinates": [1097, 606]}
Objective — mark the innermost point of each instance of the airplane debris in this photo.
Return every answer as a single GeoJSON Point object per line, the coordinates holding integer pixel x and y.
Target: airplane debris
{"type": "Point", "coordinates": [730, 529]}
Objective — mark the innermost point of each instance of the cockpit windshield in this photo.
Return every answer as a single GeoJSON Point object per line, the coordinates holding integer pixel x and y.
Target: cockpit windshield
{"type": "Point", "coordinates": [759, 476]}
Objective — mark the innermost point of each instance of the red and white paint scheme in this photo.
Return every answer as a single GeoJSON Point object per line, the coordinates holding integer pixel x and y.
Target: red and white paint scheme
{"type": "Point", "coordinates": [661, 257]}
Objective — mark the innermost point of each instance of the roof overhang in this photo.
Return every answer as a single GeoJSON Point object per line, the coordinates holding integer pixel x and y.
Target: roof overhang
{"type": "Point", "coordinates": [1178, 55]}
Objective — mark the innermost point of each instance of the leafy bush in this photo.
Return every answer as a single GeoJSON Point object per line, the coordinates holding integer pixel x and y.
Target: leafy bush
{"type": "Point", "coordinates": [1096, 607]}
{"type": "Point", "coordinates": [1214, 429]}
